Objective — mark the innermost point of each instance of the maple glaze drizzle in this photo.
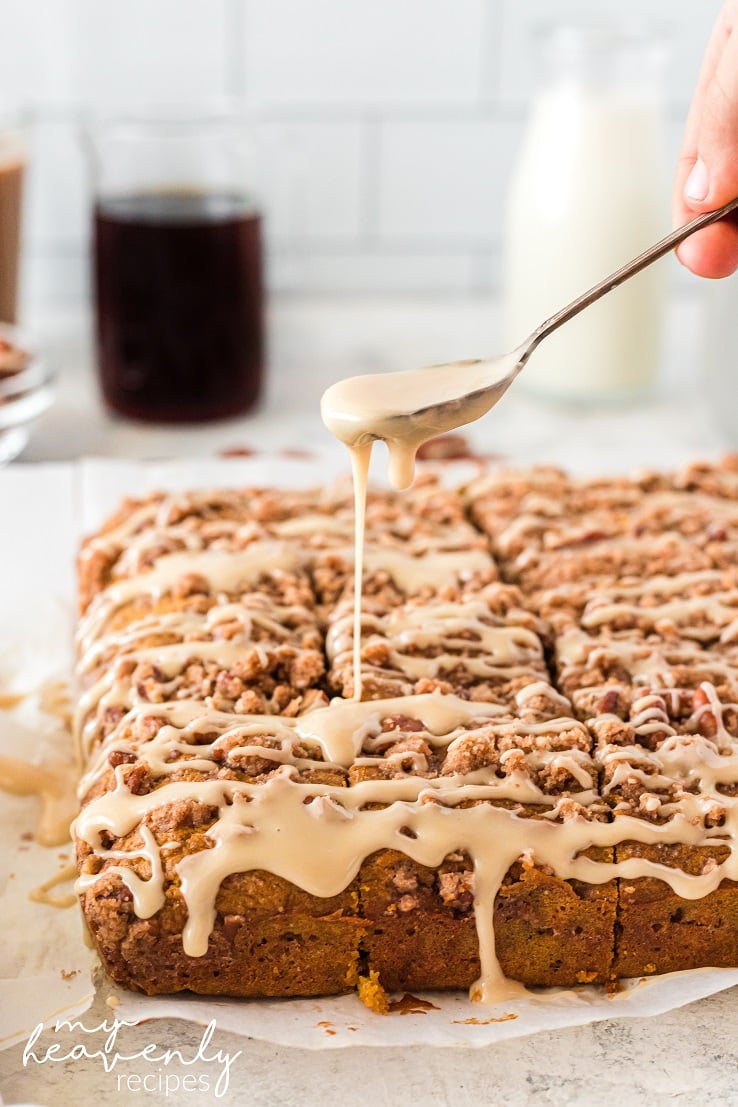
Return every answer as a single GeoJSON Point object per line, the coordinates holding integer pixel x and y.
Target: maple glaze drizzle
{"type": "Point", "coordinates": [45, 894]}
{"type": "Point", "coordinates": [288, 826]}
{"type": "Point", "coordinates": [54, 784]}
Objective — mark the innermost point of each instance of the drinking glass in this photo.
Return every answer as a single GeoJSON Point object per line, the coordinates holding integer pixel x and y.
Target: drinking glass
{"type": "Point", "coordinates": [12, 171]}
{"type": "Point", "coordinates": [177, 261]}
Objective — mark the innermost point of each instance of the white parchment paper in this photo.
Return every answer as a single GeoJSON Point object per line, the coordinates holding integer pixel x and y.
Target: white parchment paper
{"type": "Point", "coordinates": [45, 968]}
{"type": "Point", "coordinates": [46, 972]}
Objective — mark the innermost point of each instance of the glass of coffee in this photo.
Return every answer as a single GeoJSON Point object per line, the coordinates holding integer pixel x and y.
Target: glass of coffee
{"type": "Point", "coordinates": [177, 261]}
{"type": "Point", "coordinates": [12, 171]}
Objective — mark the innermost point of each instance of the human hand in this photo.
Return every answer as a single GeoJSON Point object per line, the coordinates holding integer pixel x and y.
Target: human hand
{"type": "Point", "coordinates": [707, 170]}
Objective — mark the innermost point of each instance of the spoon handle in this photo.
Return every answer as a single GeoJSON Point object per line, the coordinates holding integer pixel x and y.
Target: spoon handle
{"type": "Point", "coordinates": [663, 246]}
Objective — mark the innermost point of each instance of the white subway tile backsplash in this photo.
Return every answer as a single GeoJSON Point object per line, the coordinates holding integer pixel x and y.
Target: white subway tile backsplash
{"type": "Point", "coordinates": [310, 178]}
{"type": "Point", "coordinates": [385, 131]}
{"type": "Point", "coordinates": [687, 28]}
{"type": "Point", "coordinates": [57, 199]}
{"type": "Point", "coordinates": [379, 53]}
{"type": "Point", "coordinates": [358, 270]}
{"type": "Point", "coordinates": [165, 50]}
{"type": "Point", "coordinates": [36, 65]}
{"type": "Point", "coordinates": [444, 179]}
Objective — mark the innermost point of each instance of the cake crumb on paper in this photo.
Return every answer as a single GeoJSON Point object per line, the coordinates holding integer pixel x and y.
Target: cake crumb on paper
{"type": "Point", "coordinates": [484, 1022]}
{"type": "Point", "coordinates": [411, 1005]}
{"type": "Point", "coordinates": [372, 994]}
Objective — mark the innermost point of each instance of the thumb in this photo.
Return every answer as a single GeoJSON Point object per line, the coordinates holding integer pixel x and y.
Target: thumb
{"type": "Point", "coordinates": [713, 177]}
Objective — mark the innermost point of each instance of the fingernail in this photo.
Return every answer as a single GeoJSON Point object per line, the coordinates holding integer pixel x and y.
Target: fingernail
{"type": "Point", "coordinates": [698, 184]}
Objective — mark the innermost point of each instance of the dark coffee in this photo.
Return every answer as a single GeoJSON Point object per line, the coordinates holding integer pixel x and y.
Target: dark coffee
{"type": "Point", "coordinates": [11, 190]}
{"type": "Point", "coordinates": [179, 304]}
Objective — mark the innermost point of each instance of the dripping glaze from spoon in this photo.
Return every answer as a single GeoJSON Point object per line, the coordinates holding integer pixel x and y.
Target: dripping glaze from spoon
{"type": "Point", "coordinates": [360, 410]}
{"type": "Point", "coordinates": [384, 406]}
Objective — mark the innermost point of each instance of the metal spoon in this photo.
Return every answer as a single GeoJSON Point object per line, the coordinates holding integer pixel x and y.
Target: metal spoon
{"type": "Point", "coordinates": [384, 405]}
{"type": "Point", "coordinates": [653, 253]}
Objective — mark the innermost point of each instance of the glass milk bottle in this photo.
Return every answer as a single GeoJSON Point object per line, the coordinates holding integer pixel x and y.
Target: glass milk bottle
{"type": "Point", "coordinates": [589, 191]}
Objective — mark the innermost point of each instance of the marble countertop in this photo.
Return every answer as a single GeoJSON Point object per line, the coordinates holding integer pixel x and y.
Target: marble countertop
{"type": "Point", "coordinates": [315, 342]}
{"type": "Point", "coordinates": [688, 1055]}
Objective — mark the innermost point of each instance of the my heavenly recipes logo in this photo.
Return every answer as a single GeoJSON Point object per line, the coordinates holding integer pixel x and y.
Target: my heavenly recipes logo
{"type": "Point", "coordinates": [156, 1077]}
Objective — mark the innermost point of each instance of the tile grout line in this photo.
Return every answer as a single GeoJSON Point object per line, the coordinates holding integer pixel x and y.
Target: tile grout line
{"type": "Point", "coordinates": [235, 24]}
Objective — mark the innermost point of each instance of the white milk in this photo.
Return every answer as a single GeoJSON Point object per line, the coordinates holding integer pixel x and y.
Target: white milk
{"type": "Point", "coordinates": [589, 191]}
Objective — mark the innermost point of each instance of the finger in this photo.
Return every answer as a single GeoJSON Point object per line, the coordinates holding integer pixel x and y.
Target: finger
{"type": "Point", "coordinates": [707, 172]}
{"type": "Point", "coordinates": [688, 150]}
